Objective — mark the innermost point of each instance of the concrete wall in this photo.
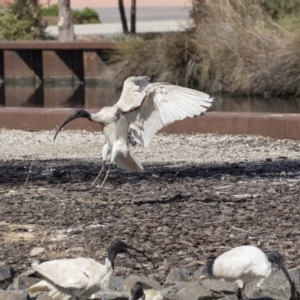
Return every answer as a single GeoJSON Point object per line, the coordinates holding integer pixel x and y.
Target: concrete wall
{"type": "Point", "coordinates": [52, 62]}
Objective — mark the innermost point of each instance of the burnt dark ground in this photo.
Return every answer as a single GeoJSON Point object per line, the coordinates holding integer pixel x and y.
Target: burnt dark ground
{"type": "Point", "coordinates": [181, 216]}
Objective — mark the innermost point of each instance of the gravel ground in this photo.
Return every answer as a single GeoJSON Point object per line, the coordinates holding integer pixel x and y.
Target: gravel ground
{"type": "Point", "coordinates": [198, 196]}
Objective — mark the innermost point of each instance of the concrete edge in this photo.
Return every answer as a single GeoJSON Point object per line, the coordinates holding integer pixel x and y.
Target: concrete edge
{"type": "Point", "coordinates": [282, 126]}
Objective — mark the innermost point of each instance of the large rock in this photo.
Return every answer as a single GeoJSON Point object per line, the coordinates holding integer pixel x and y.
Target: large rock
{"type": "Point", "coordinates": [177, 275]}
{"type": "Point", "coordinates": [23, 281]}
{"type": "Point", "coordinates": [6, 276]}
{"type": "Point", "coordinates": [274, 287]}
{"type": "Point", "coordinates": [219, 288]}
{"type": "Point", "coordinates": [116, 283]}
{"type": "Point", "coordinates": [13, 295]}
{"type": "Point", "coordinates": [187, 290]}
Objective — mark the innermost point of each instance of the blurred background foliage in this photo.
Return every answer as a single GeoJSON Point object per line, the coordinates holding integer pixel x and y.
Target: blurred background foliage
{"type": "Point", "coordinates": [236, 47]}
{"type": "Point", "coordinates": [85, 16]}
{"type": "Point", "coordinates": [23, 20]}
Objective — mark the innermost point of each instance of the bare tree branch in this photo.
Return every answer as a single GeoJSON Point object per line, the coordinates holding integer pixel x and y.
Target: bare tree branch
{"type": "Point", "coordinates": [133, 17]}
{"type": "Point", "coordinates": [123, 16]}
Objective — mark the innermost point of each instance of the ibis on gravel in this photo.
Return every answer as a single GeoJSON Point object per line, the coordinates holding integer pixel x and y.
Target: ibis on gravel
{"type": "Point", "coordinates": [142, 110]}
{"type": "Point", "coordinates": [79, 278]}
{"type": "Point", "coordinates": [244, 264]}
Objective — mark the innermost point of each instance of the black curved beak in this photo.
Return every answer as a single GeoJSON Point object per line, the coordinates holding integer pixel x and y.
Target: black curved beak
{"type": "Point", "coordinates": [80, 113]}
{"type": "Point", "coordinates": [141, 252]}
{"type": "Point", "coordinates": [294, 292]}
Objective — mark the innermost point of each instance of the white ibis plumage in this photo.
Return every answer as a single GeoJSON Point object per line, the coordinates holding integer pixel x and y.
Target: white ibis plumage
{"type": "Point", "coordinates": [79, 278]}
{"type": "Point", "coordinates": [244, 264]}
{"type": "Point", "coordinates": [142, 110]}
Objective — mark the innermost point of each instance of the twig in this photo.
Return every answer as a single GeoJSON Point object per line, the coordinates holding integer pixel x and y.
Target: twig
{"type": "Point", "coordinates": [29, 171]}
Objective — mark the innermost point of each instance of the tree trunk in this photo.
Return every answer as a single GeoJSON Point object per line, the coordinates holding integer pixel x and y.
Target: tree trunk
{"type": "Point", "coordinates": [133, 16]}
{"type": "Point", "coordinates": [123, 16]}
{"type": "Point", "coordinates": [65, 22]}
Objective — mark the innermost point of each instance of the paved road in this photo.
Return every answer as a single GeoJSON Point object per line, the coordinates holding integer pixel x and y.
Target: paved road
{"type": "Point", "coordinates": [116, 28]}
{"type": "Point", "coordinates": [154, 13]}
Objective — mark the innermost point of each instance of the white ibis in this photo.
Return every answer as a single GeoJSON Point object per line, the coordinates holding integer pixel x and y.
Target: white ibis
{"type": "Point", "coordinates": [244, 264]}
{"type": "Point", "coordinates": [138, 293]}
{"type": "Point", "coordinates": [79, 278]}
{"type": "Point", "coordinates": [143, 109]}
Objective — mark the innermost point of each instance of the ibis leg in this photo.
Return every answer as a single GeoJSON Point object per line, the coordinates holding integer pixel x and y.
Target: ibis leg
{"type": "Point", "coordinates": [101, 171]}
{"type": "Point", "coordinates": [107, 173]}
{"type": "Point", "coordinates": [241, 294]}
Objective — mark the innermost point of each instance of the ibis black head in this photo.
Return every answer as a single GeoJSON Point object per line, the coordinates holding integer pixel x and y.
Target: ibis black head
{"type": "Point", "coordinates": [275, 257]}
{"type": "Point", "coordinates": [78, 113]}
{"type": "Point", "coordinates": [137, 292]}
{"type": "Point", "coordinates": [117, 246]}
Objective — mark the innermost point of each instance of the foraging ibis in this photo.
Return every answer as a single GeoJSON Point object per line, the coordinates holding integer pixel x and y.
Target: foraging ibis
{"type": "Point", "coordinates": [142, 110]}
{"type": "Point", "coordinates": [79, 278]}
{"type": "Point", "coordinates": [138, 293]}
{"type": "Point", "coordinates": [244, 264]}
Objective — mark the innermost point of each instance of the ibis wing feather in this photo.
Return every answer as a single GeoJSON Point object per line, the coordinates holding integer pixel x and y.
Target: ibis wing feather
{"type": "Point", "coordinates": [161, 104]}
{"type": "Point", "coordinates": [64, 273]}
{"type": "Point", "coordinates": [132, 89]}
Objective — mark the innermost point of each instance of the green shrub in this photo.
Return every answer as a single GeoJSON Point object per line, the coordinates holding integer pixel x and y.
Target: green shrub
{"type": "Point", "coordinates": [21, 21]}
{"type": "Point", "coordinates": [280, 8]}
{"type": "Point", "coordinates": [51, 11]}
{"type": "Point", "coordinates": [85, 16]}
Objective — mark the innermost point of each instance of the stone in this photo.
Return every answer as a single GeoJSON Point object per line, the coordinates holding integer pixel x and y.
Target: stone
{"type": "Point", "coordinates": [187, 290]}
{"type": "Point", "coordinates": [198, 273]}
{"type": "Point", "coordinates": [6, 276]}
{"type": "Point", "coordinates": [220, 286]}
{"type": "Point", "coordinates": [274, 287]}
{"type": "Point", "coordinates": [13, 295]}
{"type": "Point", "coordinates": [23, 281]}
{"type": "Point", "coordinates": [45, 296]}
{"type": "Point", "coordinates": [148, 282]}
{"type": "Point", "coordinates": [116, 283]}
{"type": "Point", "coordinates": [109, 295]}
{"type": "Point", "coordinates": [37, 251]}
{"type": "Point", "coordinates": [177, 275]}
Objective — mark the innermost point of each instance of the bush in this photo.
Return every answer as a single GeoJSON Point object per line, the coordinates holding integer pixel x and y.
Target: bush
{"type": "Point", "coordinates": [85, 16]}
{"type": "Point", "coordinates": [51, 11]}
{"type": "Point", "coordinates": [21, 21]}
{"type": "Point", "coordinates": [233, 48]}
{"type": "Point", "coordinates": [279, 8]}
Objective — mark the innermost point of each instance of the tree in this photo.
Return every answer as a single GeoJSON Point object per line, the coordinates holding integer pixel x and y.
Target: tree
{"type": "Point", "coordinates": [123, 16]}
{"type": "Point", "coordinates": [65, 23]}
{"type": "Point", "coordinates": [133, 16]}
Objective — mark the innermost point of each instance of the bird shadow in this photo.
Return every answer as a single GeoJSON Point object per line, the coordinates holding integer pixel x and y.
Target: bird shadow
{"type": "Point", "coordinates": [78, 172]}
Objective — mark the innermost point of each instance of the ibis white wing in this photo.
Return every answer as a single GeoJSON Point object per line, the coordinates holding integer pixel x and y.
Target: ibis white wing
{"type": "Point", "coordinates": [64, 273]}
{"type": "Point", "coordinates": [132, 89]}
{"type": "Point", "coordinates": [161, 104]}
